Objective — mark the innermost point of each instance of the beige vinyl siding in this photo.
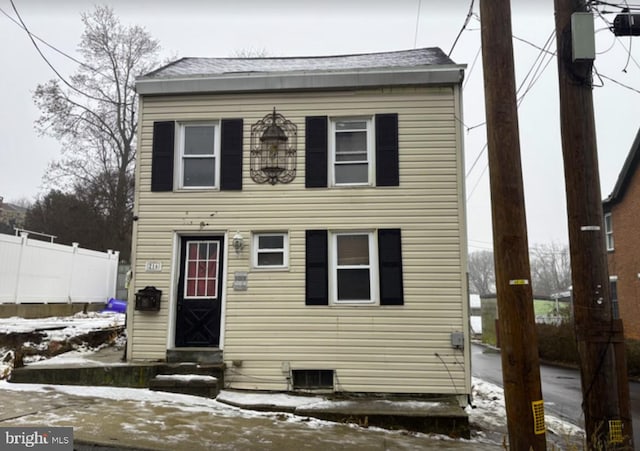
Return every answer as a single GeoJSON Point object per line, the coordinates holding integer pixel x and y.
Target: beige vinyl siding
{"type": "Point", "coordinates": [268, 327]}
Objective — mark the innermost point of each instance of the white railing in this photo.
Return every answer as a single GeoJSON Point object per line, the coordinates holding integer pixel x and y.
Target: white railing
{"type": "Point", "coordinates": [33, 271]}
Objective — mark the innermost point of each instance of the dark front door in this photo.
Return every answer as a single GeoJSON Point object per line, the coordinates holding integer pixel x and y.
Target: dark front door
{"type": "Point", "coordinates": [199, 292]}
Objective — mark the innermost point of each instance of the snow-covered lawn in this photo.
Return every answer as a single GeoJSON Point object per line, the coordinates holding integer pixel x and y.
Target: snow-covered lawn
{"type": "Point", "coordinates": [53, 331]}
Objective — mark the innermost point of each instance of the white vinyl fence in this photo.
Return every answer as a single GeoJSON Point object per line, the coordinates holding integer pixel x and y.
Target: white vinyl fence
{"type": "Point", "coordinates": [33, 271]}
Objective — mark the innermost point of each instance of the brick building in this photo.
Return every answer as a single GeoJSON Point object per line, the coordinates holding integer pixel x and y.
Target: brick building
{"type": "Point", "coordinates": [622, 227]}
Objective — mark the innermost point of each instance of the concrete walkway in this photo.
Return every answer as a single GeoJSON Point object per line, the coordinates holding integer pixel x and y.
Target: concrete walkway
{"type": "Point", "coordinates": [106, 369]}
{"type": "Point", "coordinates": [120, 418]}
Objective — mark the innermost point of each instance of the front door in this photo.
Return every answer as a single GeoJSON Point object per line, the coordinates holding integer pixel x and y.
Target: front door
{"type": "Point", "coordinates": [199, 292]}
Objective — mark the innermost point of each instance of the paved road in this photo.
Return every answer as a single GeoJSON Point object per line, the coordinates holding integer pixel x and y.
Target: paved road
{"type": "Point", "coordinates": [560, 387]}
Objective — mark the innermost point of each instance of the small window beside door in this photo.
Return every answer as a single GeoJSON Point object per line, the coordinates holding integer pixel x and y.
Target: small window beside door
{"type": "Point", "coordinates": [270, 250]}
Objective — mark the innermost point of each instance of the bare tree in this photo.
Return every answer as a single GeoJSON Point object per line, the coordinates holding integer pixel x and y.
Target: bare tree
{"type": "Point", "coordinates": [94, 116]}
{"type": "Point", "coordinates": [482, 278]}
{"type": "Point", "coordinates": [250, 53]}
{"type": "Point", "coordinates": [550, 268]}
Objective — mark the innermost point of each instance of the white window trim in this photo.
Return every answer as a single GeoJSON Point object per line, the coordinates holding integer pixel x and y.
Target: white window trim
{"type": "Point", "coordinates": [180, 135]}
{"type": "Point", "coordinates": [373, 268]}
{"type": "Point", "coordinates": [255, 251]}
{"type": "Point", "coordinates": [608, 232]}
{"type": "Point", "coordinates": [370, 149]}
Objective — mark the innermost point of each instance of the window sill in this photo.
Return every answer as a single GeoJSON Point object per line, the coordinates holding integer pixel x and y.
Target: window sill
{"type": "Point", "coordinates": [261, 269]}
{"type": "Point", "coordinates": [355, 304]}
{"type": "Point", "coordinates": [353, 186]}
{"type": "Point", "coordinates": [196, 190]}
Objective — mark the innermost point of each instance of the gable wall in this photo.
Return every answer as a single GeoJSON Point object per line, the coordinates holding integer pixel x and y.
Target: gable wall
{"type": "Point", "coordinates": [624, 260]}
{"type": "Point", "coordinates": [268, 327]}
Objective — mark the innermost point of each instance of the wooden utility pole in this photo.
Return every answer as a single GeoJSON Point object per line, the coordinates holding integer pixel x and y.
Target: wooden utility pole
{"type": "Point", "coordinates": [604, 386]}
{"type": "Point", "coordinates": [518, 339]}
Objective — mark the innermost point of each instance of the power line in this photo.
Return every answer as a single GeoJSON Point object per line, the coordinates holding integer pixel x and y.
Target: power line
{"type": "Point", "coordinates": [473, 65]}
{"type": "Point", "coordinates": [35, 44]}
{"type": "Point", "coordinates": [415, 35]}
{"type": "Point", "coordinates": [537, 73]}
{"type": "Point", "coordinates": [628, 50]}
{"type": "Point", "coordinates": [464, 25]}
{"type": "Point", "coordinates": [52, 47]}
{"type": "Point", "coordinates": [618, 83]}
{"type": "Point", "coordinates": [476, 160]}
{"type": "Point", "coordinates": [613, 5]}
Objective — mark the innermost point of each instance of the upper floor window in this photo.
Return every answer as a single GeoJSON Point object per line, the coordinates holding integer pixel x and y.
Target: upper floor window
{"type": "Point", "coordinates": [352, 151]}
{"type": "Point", "coordinates": [187, 155]}
{"type": "Point", "coordinates": [270, 250]}
{"type": "Point", "coordinates": [608, 230]}
{"type": "Point", "coordinates": [351, 154]}
{"type": "Point", "coordinates": [199, 155]}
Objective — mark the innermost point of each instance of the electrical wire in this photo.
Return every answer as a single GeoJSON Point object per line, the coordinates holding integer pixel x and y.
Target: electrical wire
{"type": "Point", "coordinates": [618, 83]}
{"type": "Point", "coordinates": [453, 382]}
{"type": "Point", "coordinates": [535, 72]}
{"type": "Point", "coordinates": [473, 65]}
{"type": "Point", "coordinates": [55, 71]}
{"type": "Point", "coordinates": [628, 50]}
{"type": "Point", "coordinates": [486, 166]}
{"type": "Point", "coordinates": [613, 5]}
{"type": "Point", "coordinates": [476, 160]}
{"type": "Point", "coordinates": [464, 25]}
{"type": "Point", "coordinates": [415, 35]}
{"type": "Point", "coordinates": [52, 47]}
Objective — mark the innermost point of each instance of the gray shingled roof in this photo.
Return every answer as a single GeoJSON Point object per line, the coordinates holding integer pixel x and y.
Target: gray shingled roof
{"type": "Point", "coordinates": [202, 67]}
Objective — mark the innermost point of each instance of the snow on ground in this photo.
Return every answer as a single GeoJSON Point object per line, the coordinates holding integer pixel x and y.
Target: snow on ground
{"type": "Point", "coordinates": [58, 329]}
{"type": "Point", "coordinates": [487, 417]}
{"type": "Point", "coordinates": [488, 413]}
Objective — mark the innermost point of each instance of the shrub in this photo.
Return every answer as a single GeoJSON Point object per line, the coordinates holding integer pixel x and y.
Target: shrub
{"type": "Point", "coordinates": [633, 358]}
{"type": "Point", "coordinates": [557, 343]}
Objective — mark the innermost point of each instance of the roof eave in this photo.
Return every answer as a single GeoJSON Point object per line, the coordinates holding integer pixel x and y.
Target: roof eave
{"type": "Point", "coordinates": [627, 172]}
{"type": "Point", "coordinates": [295, 81]}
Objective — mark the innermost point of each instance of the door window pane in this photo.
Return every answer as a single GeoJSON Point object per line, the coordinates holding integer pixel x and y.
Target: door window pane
{"type": "Point", "coordinates": [201, 269]}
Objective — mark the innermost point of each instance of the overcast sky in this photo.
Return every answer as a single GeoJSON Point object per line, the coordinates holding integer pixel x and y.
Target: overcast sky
{"type": "Point", "coordinates": [287, 28]}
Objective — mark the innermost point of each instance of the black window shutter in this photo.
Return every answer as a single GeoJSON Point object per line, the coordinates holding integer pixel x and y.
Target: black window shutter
{"type": "Point", "coordinates": [387, 165]}
{"type": "Point", "coordinates": [231, 154]}
{"type": "Point", "coordinates": [317, 269]}
{"type": "Point", "coordinates": [162, 156]}
{"type": "Point", "coordinates": [316, 152]}
{"type": "Point", "coordinates": [390, 261]}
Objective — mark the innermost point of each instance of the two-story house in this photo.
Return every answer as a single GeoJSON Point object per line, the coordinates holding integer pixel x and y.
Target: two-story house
{"type": "Point", "coordinates": [304, 219]}
{"type": "Point", "coordinates": [621, 219]}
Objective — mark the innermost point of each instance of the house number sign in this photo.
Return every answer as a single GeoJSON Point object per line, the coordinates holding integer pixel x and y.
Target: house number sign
{"type": "Point", "coordinates": [152, 266]}
{"type": "Point", "coordinates": [240, 281]}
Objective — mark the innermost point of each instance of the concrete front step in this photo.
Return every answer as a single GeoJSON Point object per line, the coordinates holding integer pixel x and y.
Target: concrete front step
{"type": "Point", "coordinates": [202, 356]}
{"type": "Point", "coordinates": [186, 384]}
